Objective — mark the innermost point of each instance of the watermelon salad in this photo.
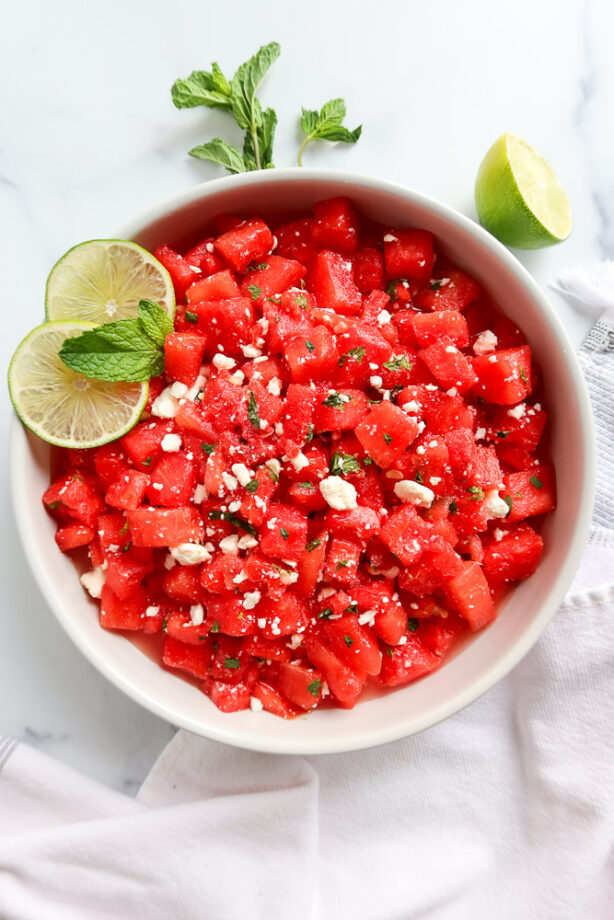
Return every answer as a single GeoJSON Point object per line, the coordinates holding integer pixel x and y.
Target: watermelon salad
{"type": "Point", "coordinates": [341, 472]}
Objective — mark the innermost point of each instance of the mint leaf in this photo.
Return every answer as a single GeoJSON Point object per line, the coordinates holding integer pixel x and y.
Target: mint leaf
{"type": "Point", "coordinates": [344, 463]}
{"type": "Point", "coordinates": [202, 88]}
{"type": "Point", "coordinates": [156, 321]}
{"type": "Point", "coordinates": [252, 411]}
{"type": "Point", "coordinates": [326, 125]}
{"type": "Point", "coordinates": [246, 81]}
{"type": "Point", "coordinates": [218, 151]}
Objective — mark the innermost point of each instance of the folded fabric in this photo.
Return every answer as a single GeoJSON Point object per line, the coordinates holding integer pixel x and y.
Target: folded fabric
{"type": "Point", "coordinates": [505, 810]}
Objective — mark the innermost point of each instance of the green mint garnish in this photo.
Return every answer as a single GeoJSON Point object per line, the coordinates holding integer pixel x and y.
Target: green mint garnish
{"type": "Point", "coordinates": [326, 125]}
{"type": "Point", "coordinates": [348, 641]}
{"type": "Point", "coordinates": [147, 461]}
{"type": "Point", "coordinates": [397, 362]}
{"type": "Point", "coordinates": [191, 317]}
{"type": "Point", "coordinates": [129, 350]}
{"type": "Point", "coordinates": [313, 545]}
{"type": "Point", "coordinates": [356, 353]}
{"type": "Point", "coordinates": [232, 663]}
{"type": "Point", "coordinates": [252, 411]}
{"type": "Point", "coordinates": [314, 687]}
{"type": "Point", "coordinates": [302, 301]}
{"type": "Point", "coordinates": [477, 493]}
{"type": "Point", "coordinates": [284, 533]}
{"type": "Point", "coordinates": [452, 507]}
{"type": "Point", "coordinates": [387, 438]}
{"type": "Point", "coordinates": [536, 481]}
{"type": "Point", "coordinates": [508, 501]}
{"type": "Point", "coordinates": [208, 448]}
{"type": "Point", "coordinates": [502, 434]}
{"type": "Point", "coordinates": [252, 486]}
{"type": "Point", "coordinates": [391, 290]}
{"type": "Point", "coordinates": [215, 628]}
{"type": "Point", "coordinates": [336, 401]}
{"type": "Point", "coordinates": [325, 614]}
{"type": "Point", "coordinates": [344, 463]}
{"type": "Point", "coordinates": [523, 376]}
{"type": "Point", "coordinates": [413, 623]}
{"type": "Point", "coordinates": [309, 345]}
{"type": "Point", "coordinates": [254, 291]}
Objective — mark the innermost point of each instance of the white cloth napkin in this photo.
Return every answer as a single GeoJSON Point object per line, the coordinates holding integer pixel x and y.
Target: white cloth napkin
{"type": "Point", "coordinates": [505, 810]}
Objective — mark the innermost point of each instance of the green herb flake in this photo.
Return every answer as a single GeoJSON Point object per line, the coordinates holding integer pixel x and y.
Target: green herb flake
{"type": "Point", "coordinates": [146, 461]}
{"type": "Point", "coordinates": [348, 641]}
{"type": "Point", "coordinates": [164, 622]}
{"type": "Point", "coordinates": [387, 438]}
{"type": "Point", "coordinates": [523, 376]}
{"type": "Point", "coordinates": [254, 291]}
{"type": "Point", "coordinates": [272, 474]}
{"type": "Point", "coordinates": [309, 346]}
{"type": "Point", "coordinates": [257, 268]}
{"type": "Point", "coordinates": [435, 285]}
{"type": "Point", "coordinates": [419, 477]}
{"type": "Point", "coordinates": [397, 362]}
{"type": "Point", "coordinates": [476, 492]}
{"type": "Point", "coordinates": [336, 401]}
{"type": "Point", "coordinates": [252, 411]}
{"type": "Point", "coordinates": [124, 529]}
{"type": "Point", "coordinates": [391, 290]}
{"type": "Point", "coordinates": [536, 481]}
{"type": "Point", "coordinates": [208, 448]}
{"type": "Point", "coordinates": [302, 301]}
{"type": "Point", "coordinates": [413, 623]}
{"type": "Point", "coordinates": [367, 461]}
{"type": "Point", "coordinates": [357, 353]}
{"type": "Point", "coordinates": [216, 627]}
{"type": "Point", "coordinates": [284, 533]}
{"type": "Point", "coordinates": [191, 317]}
{"type": "Point", "coordinates": [309, 435]}
{"type": "Point", "coordinates": [342, 564]}
{"type": "Point", "coordinates": [325, 614]}
{"type": "Point", "coordinates": [390, 651]}
{"type": "Point", "coordinates": [305, 485]}
{"type": "Point", "coordinates": [125, 548]}
{"type": "Point", "coordinates": [314, 687]}
{"type": "Point", "coordinates": [313, 545]}
{"type": "Point", "coordinates": [326, 125]}
{"type": "Point", "coordinates": [508, 501]}
{"type": "Point", "coordinates": [502, 434]}
{"type": "Point", "coordinates": [252, 486]}
{"type": "Point", "coordinates": [232, 663]}
{"type": "Point", "coordinates": [453, 507]}
{"type": "Point", "coordinates": [344, 463]}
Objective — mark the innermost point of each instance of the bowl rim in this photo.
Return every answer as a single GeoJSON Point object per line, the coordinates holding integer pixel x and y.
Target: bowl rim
{"type": "Point", "coordinates": [360, 738]}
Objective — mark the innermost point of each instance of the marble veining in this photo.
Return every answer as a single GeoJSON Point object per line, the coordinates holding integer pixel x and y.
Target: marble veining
{"type": "Point", "coordinates": [90, 138]}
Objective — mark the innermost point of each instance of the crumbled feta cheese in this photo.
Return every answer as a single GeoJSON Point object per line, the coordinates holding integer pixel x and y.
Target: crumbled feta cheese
{"type": "Point", "coordinates": [452, 392]}
{"type": "Point", "coordinates": [498, 534]}
{"type": "Point", "coordinates": [251, 599]}
{"type": "Point", "coordinates": [411, 407]}
{"type": "Point", "coordinates": [274, 386]}
{"type": "Point", "coordinates": [300, 462]}
{"type": "Point", "coordinates": [197, 614]}
{"type": "Point", "coordinates": [190, 553]}
{"type": "Point", "coordinates": [114, 547]}
{"type": "Point", "coordinates": [240, 578]}
{"type": "Point", "coordinates": [373, 366]}
{"type": "Point", "coordinates": [517, 412]}
{"type": "Point", "coordinates": [383, 317]}
{"type": "Point", "coordinates": [230, 545]}
{"type": "Point", "coordinates": [165, 405]}
{"type": "Point", "coordinates": [93, 581]}
{"type": "Point", "coordinates": [169, 562]}
{"type": "Point", "coordinates": [209, 247]}
{"type": "Point", "coordinates": [247, 542]}
{"type": "Point", "coordinates": [255, 704]}
{"type": "Point", "coordinates": [434, 480]}
{"type": "Point", "coordinates": [178, 390]}
{"type": "Point", "coordinates": [295, 641]}
{"type": "Point", "coordinates": [261, 622]}
{"type": "Point", "coordinates": [273, 465]}
{"type": "Point", "coordinates": [233, 507]}
{"type": "Point", "coordinates": [390, 238]}
{"type": "Point", "coordinates": [414, 493]}
{"type": "Point", "coordinates": [451, 349]}
{"type": "Point", "coordinates": [494, 506]}
{"type": "Point", "coordinates": [237, 378]}
{"type": "Point", "coordinates": [171, 443]}
{"type": "Point", "coordinates": [486, 342]}
{"type": "Point", "coordinates": [152, 611]}
{"type": "Point", "coordinates": [376, 381]}
{"type": "Point", "coordinates": [200, 494]}
{"type": "Point", "coordinates": [367, 618]}
{"type": "Point", "coordinates": [250, 351]}
{"type": "Point", "coordinates": [157, 486]}
{"type": "Point", "coordinates": [229, 481]}
{"type": "Point", "coordinates": [241, 472]}
{"type": "Point", "coordinates": [480, 434]}
{"type": "Point", "coordinates": [338, 493]}
{"type": "Point", "coordinates": [223, 362]}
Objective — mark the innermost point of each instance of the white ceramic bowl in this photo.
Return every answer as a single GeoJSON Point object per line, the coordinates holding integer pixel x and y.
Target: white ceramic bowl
{"type": "Point", "coordinates": [488, 656]}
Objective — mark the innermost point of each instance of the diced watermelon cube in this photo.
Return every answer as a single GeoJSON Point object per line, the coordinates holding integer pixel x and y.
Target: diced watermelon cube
{"type": "Point", "coordinates": [127, 492]}
{"type": "Point", "coordinates": [402, 664]}
{"type": "Point", "coordinates": [409, 255]}
{"type": "Point", "coordinates": [368, 270]}
{"type": "Point", "coordinates": [530, 492]}
{"type": "Point", "coordinates": [449, 366]}
{"type": "Point", "coordinates": [386, 432]}
{"type": "Point", "coordinates": [336, 225]}
{"type": "Point", "coordinates": [514, 557]}
{"type": "Point", "coordinates": [220, 286]}
{"type": "Point", "coordinates": [248, 242]}
{"type": "Point", "coordinates": [312, 356]}
{"type": "Point", "coordinates": [284, 535]}
{"type": "Point", "coordinates": [505, 376]}
{"type": "Point", "coordinates": [469, 594]}
{"type": "Point", "coordinates": [165, 526]}
{"type": "Point", "coordinates": [183, 355]}
{"type": "Point", "coordinates": [181, 272]}
{"type": "Point", "coordinates": [331, 281]}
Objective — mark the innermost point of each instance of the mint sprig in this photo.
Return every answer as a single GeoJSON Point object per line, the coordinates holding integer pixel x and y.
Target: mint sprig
{"type": "Point", "coordinates": [237, 96]}
{"type": "Point", "coordinates": [326, 125]}
{"type": "Point", "coordinates": [129, 350]}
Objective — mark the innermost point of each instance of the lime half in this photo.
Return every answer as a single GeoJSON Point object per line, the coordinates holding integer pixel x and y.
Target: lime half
{"type": "Point", "coordinates": [103, 280]}
{"type": "Point", "coordinates": [61, 406]}
{"type": "Point", "coordinates": [519, 198]}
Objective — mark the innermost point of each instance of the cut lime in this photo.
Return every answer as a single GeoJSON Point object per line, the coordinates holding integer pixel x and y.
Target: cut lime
{"type": "Point", "coordinates": [519, 198]}
{"type": "Point", "coordinates": [61, 406]}
{"type": "Point", "coordinates": [103, 280]}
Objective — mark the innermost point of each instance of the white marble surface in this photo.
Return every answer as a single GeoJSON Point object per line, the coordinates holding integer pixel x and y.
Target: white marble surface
{"type": "Point", "coordinates": [90, 138]}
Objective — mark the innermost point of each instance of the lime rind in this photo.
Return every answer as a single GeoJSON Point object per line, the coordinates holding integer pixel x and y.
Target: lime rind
{"type": "Point", "coordinates": [65, 408]}
{"type": "Point", "coordinates": [103, 280]}
{"type": "Point", "coordinates": [518, 197]}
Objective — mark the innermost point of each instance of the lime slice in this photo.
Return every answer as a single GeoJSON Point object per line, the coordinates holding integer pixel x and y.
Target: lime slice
{"type": "Point", "coordinates": [61, 406]}
{"type": "Point", "coordinates": [103, 280]}
{"type": "Point", "coordinates": [519, 198]}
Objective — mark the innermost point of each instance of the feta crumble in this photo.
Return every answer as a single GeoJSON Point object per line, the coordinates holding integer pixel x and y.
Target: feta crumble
{"type": "Point", "coordinates": [338, 493]}
{"type": "Point", "coordinates": [414, 493]}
